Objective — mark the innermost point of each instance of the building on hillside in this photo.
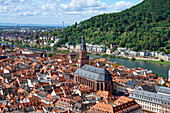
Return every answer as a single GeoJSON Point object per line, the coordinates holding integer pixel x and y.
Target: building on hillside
{"type": "Point", "coordinates": [97, 78]}
{"type": "Point", "coordinates": [160, 55]}
{"type": "Point", "coordinates": [83, 58]}
{"type": "Point", "coordinates": [112, 45]}
{"type": "Point", "coordinates": [95, 48]}
{"type": "Point", "coordinates": [154, 54]}
{"type": "Point", "coordinates": [121, 49]}
{"type": "Point", "coordinates": [109, 51]}
{"type": "Point", "coordinates": [166, 57]}
{"type": "Point", "coordinates": [134, 53]}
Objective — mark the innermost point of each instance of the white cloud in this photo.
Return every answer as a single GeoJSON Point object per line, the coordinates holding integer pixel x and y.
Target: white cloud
{"type": "Point", "coordinates": [71, 10]}
{"type": "Point", "coordinates": [49, 6]}
{"type": "Point", "coordinates": [7, 2]}
{"type": "Point", "coordinates": [3, 9]}
{"type": "Point", "coordinates": [28, 13]}
{"type": "Point", "coordinates": [79, 5]}
{"type": "Point", "coordinates": [121, 5]}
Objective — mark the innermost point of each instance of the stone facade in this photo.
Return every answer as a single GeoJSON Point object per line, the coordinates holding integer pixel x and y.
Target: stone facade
{"type": "Point", "coordinates": [152, 102]}
{"type": "Point", "coordinates": [97, 78]}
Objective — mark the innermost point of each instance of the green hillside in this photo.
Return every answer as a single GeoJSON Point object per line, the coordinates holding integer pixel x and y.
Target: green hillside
{"type": "Point", "coordinates": [145, 26]}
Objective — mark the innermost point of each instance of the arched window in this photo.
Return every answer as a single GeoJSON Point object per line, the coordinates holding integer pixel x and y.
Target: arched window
{"type": "Point", "coordinates": [97, 86]}
{"type": "Point", "coordinates": [106, 86]}
{"type": "Point", "coordinates": [101, 86]}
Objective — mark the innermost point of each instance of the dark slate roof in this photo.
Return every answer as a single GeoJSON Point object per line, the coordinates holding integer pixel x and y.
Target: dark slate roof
{"type": "Point", "coordinates": [7, 75]}
{"type": "Point", "coordinates": [131, 83]}
{"type": "Point", "coordinates": [16, 111]}
{"type": "Point", "coordinates": [46, 88]}
{"type": "Point", "coordinates": [94, 73]}
{"type": "Point", "coordinates": [3, 57]}
{"type": "Point", "coordinates": [149, 88]}
{"type": "Point", "coordinates": [42, 94]}
{"type": "Point", "coordinates": [29, 109]}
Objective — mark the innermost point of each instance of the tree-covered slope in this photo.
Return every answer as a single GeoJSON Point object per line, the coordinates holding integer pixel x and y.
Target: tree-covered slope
{"type": "Point", "coordinates": [145, 26]}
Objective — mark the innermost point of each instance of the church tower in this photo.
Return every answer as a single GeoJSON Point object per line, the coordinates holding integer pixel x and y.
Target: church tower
{"type": "Point", "coordinates": [83, 58]}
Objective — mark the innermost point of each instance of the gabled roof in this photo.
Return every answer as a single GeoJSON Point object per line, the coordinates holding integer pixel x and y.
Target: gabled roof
{"type": "Point", "coordinates": [94, 73]}
{"type": "Point", "coordinates": [149, 88]}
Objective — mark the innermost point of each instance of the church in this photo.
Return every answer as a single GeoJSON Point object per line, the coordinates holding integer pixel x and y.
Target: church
{"type": "Point", "coordinates": [95, 77]}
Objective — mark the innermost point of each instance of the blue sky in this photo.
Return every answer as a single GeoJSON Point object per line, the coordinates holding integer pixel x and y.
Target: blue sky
{"type": "Point", "coordinates": [50, 12]}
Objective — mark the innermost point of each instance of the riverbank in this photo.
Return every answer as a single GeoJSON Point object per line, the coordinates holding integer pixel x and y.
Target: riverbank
{"type": "Point", "coordinates": [151, 61]}
{"type": "Point", "coordinates": [142, 60]}
{"type": "Point", "coordinates": [120, 57]}
{"type": "Point", "coordinates": [155, 67]}
{"type": "Point", "coordinates": [109, 56]}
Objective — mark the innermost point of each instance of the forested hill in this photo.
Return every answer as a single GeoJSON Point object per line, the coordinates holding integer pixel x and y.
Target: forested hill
{"type": "Point", "coordinates": [145, 26]}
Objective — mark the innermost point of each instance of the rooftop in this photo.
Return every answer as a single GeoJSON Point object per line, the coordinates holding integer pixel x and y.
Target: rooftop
{"type": "Point", "coordinates": [94, 73]}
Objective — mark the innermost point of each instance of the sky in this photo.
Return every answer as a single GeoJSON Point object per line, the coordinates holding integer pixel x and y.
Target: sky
{"type": "Point", "coordinates": [54, 12]}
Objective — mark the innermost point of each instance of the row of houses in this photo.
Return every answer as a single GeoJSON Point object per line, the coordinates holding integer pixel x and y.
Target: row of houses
{"type": "Point", "coordinates": [90, 48]}
{"type": "Point", "coordinates": [125, 52]}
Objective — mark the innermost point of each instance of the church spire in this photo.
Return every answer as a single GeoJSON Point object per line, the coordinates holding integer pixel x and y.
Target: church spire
{"type": "Point", "coordinates": [83, 44]}
{"type": "Point", "coordinates": [83, 58]}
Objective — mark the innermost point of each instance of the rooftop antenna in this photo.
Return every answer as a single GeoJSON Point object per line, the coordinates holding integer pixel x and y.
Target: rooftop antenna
{"type": "Point", "coordinates": [63, 26]}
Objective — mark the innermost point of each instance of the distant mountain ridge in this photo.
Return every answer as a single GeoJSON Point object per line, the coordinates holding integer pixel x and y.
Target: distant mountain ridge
{"type": "Point", "coordinates": [142, 27]}
{"type": "Point", "coordinates": [15, 24]}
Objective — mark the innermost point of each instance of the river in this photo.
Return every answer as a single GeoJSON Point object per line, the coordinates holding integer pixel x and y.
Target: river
{"type": "Point", "coordinates": [155, 67]}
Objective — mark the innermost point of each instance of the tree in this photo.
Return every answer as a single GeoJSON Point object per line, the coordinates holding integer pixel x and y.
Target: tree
{"type": "Point", "coordinates": [51, 41]}
{"type": "Point", "coordinates": [76, 24]}
{"type": "Point", "coordinates": [161, 60]}
{"type": "Point", "coordinates": [156, 75]}
{"type": "Point", "coordinates": [20, 46]}
{"type": "Point", "coordinates": [34, 46]}
{"type": "Point", "coordinates": [49, 55]}
{"type": "Point", "coordinates": [147, 45]}
{"type": "Point", "coordinates": [37, 41]}
{"type": "Point", "coordinates": [46, 33]}
{"type": "Point", "coordinates": [90, 62]}
{"type": "Point", "coordinates": [47, 47]}
{"type": "Point", "coordinates": [77, 56]}
{"type": "Point", "coordinates": [36, 36]}
{"type": "Point", "coordinates": [164, 84]}
{"type": "Point", "coordinates": [133, 59]}
{"type": "Point", "coordinates": [74, 65]}
{"type": "Point", "coordinates": [157, 84]}
{"type": "Point", "coordinates": [11, 50]}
